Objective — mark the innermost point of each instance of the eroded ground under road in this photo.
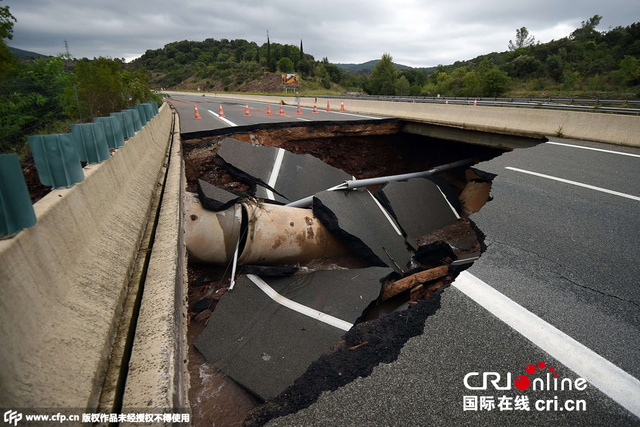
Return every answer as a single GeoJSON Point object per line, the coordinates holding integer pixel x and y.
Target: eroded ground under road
{"type": "Point", "coordinates": [405, 298]}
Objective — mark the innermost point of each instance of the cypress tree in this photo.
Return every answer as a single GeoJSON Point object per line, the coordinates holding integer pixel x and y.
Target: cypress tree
{"type": "Point", "coordinates": [268, 51]}
{"type": "Point", "coordinates": [301, 51]}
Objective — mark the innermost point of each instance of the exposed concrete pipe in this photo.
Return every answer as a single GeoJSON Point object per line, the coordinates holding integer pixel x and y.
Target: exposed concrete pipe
{"type": "Point", "coordinates": [269, 234]}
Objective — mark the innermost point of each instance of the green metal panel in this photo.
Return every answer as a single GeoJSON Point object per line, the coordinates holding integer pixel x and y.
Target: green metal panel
{"type": "Point", "coordinates": [112, 131]}
{"type": "Point", "coordinates": [154, 107]}
{"type": "Point", "coordinates": [149, 110]}
{"type": "Point", "coordinates": [137, 124]}
{"type": "Point", "coordinates": [56, 159]}
{"type": "Point", "coordinates": [16, 210]}
{"type": "Point", "coordinates": [143, 114]}
{"type": "Point", "coordinates": [127, 119]}
{"type": "Point", "coordinates": [92, 137]}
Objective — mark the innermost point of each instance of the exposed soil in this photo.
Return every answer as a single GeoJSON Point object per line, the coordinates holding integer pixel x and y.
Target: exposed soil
{"type": "Point", "coordinates": [362, 150]}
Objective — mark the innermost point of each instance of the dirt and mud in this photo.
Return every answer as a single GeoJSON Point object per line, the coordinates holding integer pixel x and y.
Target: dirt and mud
{"type": "Point", "coordinates": [364, 151]}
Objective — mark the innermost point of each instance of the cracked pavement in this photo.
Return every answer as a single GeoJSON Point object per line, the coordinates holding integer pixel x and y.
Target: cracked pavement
{"type": "Point", "coordinates": [567, 254]}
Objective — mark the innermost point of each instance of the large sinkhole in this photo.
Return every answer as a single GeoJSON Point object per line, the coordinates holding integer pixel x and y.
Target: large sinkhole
{"type": "Point", "coordinates": [407, 294]}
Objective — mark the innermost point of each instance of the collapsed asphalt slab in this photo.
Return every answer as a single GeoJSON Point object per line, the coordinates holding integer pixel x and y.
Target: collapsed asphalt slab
{"type": "Point", "coordinates": [419, 206]}
{"type": "Point", "coordinates": [361, 223]}
{"type": "Point", "coordinates": [277, 174]}
{"type": "Point", "coordinates": [214, 198]}
{"type": "Point", "coordinates": [364, 347]}
{"type": "Point", "coordinates": [264, 345]}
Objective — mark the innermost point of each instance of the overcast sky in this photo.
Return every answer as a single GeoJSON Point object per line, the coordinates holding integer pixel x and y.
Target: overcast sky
{"type": "Point", "coordinates": [416, 33]}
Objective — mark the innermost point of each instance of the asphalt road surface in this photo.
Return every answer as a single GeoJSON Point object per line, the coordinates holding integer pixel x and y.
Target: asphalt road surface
{"type": "Point", "coordinates": [557, 284]}
{"type": "Point", "coordinates": [234, 112]}
{"type": "Point", "coordinates": [557, 287]}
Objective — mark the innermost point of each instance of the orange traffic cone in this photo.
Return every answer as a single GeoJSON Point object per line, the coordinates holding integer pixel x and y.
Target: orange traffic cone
{"type": "Point", "coordinates": [197, 114]}
{"type": "Point", "coordinates": [281, 109]}
{"type": "Point", "coordinates": [447, 101]}
{"type": "Point", "coordinates": [342, 106]}
{"type": "Point", "coordinates": [475, 102]}
{"type": "Point", "coordinates": [299, 111]}
{"type": "Point", "coordinates": [221, 112]}
{"type": "Point", "coordinates": [328, 107]}
{"type": "Point", "coordinates": [268, 109]}
{"type": "Point", "coordinates": [246, 110]}
{"type": "Point", "coordinates": [315, 109]}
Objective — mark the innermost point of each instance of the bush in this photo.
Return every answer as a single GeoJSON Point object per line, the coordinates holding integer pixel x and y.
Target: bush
{"type": "Point", "coordinates": [494, 82]}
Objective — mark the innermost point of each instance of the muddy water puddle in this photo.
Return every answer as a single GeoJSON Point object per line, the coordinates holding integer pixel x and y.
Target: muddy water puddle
{"type": "Point", "coordinates": [216, 400]}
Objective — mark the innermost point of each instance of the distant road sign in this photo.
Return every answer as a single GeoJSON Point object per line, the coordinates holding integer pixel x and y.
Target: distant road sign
{"type": "Point", "coordinates": [290, 81]}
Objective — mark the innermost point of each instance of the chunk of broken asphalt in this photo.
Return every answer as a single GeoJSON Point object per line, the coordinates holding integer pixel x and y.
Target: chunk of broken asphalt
{"type": "Point", "coordinates": [265, 346]}
{"type": "Point", "coordinates": [359, 222]}
{"type": "Point", "coordinates": [289, 176]}
{"type": "Point", "coordinates": [214, 198]}
{"type": "Point", "coordinates": [419, 206]}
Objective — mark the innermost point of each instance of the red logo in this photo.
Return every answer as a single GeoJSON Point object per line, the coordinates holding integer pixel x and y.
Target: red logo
{"type": "Point", "coordinates": [522, 382]}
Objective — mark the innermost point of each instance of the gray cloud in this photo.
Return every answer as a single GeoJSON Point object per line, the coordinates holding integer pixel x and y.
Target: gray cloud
{"type": "Point", "coordinates": [414, 32]}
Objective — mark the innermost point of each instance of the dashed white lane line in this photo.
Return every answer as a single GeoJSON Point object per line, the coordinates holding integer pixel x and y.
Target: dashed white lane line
{"type": "Point", "coordinates": [593, 149]}
{"type": "Point", "coordinates": [302, 309]}
{"type": "Point", "coordinates": [229, 122]}
{"type": "Point", "coordinates": [576, 183]}
{"type": "Point", "coordinates": [304, 120]}
{"type": "Point", "coordinates": [602, 374]}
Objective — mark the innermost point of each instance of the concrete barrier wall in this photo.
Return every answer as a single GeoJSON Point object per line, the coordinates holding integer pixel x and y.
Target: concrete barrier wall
{"type": "Point", "coordinates": [609, 128]}
{"type": "Point", "coordinates": [63, 280]}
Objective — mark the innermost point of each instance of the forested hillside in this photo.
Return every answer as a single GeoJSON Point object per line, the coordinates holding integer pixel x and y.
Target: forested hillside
{"type": "Point", "coordinates": [238, 65]}
{"type": "Point", "coordinates": [587, 63]}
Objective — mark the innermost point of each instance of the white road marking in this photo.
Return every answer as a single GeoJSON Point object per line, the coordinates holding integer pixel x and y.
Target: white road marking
{"type": "Point", "coordinates": [302, 309]}
{"type": "Point", "coordinates": [593, 149]}
{"type": "Point", "coordinates": [455, 212]}
{"type": "Point", "coordinates": [384, 211]}
{"type": "Point", "coordinates": [578, 184]}
{"type": "Point", "coordinates": [306, 120]}
{"type": "Point", "coordinates": [229, 122]}
{"type": "Point", "coordinates": [602, 374]}
{"type": "Point", "coordinates": [273, 178]}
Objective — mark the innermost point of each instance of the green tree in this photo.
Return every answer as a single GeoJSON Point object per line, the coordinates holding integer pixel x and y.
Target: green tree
{"type": "Point", "coordinates": [7, 61]}
{"type": "Point", "coordinates": [523, 40]}
{"type": "Point", "coordinates": [285, 65]}
{"type": "Point", "coordinates": [555, 67]}
{"type": "Point", "coordinates": [629, 70]}
{"type": "Point", "coordinates": [383, 77]}
{"type": "Point", "coordinates": [269, 52]}
{"type": "Point", "coordinates": [34, 99]}
{"type": "Point", "coordinates": [402, 87]}
{"type": "Point", "coordinates": [471, 84]}
{"type": "Point", "coordinates": [525, 65]}
{"type": "Point", "coordinates": [301, 52]}
{"type": "Point", "coordinates": [587, 30]}
{"type": "Point", "coordinates": [494, 82]}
